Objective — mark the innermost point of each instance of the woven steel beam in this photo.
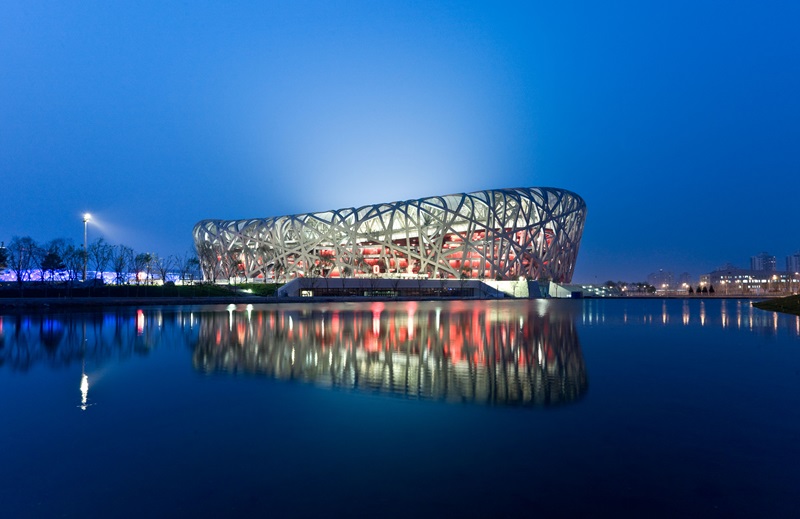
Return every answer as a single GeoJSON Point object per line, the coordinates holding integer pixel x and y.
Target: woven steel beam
{"type": "Point", "coordinates": [500, 234]}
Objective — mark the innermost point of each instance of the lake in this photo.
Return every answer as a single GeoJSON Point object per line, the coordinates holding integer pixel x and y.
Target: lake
{"type": "Point", "coordinates": [624, 407]}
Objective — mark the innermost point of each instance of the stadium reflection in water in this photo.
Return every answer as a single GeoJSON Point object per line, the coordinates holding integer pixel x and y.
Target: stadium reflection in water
{"type": "Point", "coordinates": [518, 353]}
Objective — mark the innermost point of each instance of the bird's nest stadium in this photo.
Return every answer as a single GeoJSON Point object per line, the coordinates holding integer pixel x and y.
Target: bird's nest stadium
{"type": "Point", "coordinates": [498, 234]}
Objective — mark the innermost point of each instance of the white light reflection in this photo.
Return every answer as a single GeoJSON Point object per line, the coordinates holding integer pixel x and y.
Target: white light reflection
{"type": "Point", "coordinates": [541, 307]}
{"type": "Point", "coordinates": [738, 314]}
{"type": "Point", "coordinates": [724, 313]}
{"type": "Point", "coordinates": [410, 324]}
{"type": "Point", "coordinates": [231, 308]}
{"type": "Point", "coordinates": [376, 322]}
{"type": "Point", "coordinates": [84, 391]}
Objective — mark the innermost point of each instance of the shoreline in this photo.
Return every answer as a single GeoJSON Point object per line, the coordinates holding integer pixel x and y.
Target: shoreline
{"type": "Point", "coordinates": [44, 303]}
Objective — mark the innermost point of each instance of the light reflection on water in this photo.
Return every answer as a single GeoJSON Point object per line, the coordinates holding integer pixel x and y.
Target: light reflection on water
{"type": "Point", "coordinates": [481, 352]}
{"type": "Point", "coordinates": [691, 411]}
{"type": "Point", "coordinates": [61, 339]}
{"type": "Point", "coordinates": [736, 314]}
{"type": "Point", "coordinates": [502, 353]}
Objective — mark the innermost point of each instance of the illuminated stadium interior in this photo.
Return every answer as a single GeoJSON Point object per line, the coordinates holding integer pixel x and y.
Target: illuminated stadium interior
{"type": "Point", "coordinates": [504, 234]}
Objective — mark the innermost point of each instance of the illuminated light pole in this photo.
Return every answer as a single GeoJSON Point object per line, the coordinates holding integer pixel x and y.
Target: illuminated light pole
{"type": "Point", "coordinates": [86, 218]}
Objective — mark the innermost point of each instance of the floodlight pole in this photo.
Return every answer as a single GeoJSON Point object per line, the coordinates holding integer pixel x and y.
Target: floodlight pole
{"type": "Point", "coordinates": [86, 218]}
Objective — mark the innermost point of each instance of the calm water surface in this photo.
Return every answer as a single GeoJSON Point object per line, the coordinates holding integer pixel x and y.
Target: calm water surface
{"type": "Point", "coordinates": [626, 408]}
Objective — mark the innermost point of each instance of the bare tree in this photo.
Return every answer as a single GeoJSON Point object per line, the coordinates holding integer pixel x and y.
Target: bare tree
{"type": "Point", "coordinates": [278, 269]}
{"type": "Point", "coordinates": [120, 261]}
{"type": "Point", "coordinates": [163, 265]}
{"type": "Point", "coordinates": [265, 257]}
{"type": "Point", "coordinates": [187, 266]}
{"type": "Point", "coordinates": [21, 257]}
{"type": "Point", "coordinates": [73, 259]}
{"type": "Point", "coordinates": [100, 254]}
{"type": "Point", "coordinates": [52, 258]}
{"type": "Point", "coordinates": [208, 261]}
{"type": "Point", "coordinates": [193, 269]}
{"type": "Point", "coordinates": [143, 264]}
{"type": "Point", "coordinates": [232, 265]}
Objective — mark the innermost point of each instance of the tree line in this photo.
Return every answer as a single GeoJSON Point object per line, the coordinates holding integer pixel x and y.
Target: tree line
{"type": "Point", "coordinates": [60, 260]}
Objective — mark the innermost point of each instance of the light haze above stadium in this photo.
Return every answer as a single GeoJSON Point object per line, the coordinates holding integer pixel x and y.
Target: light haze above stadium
{"type": "Point", "coordinates": [677, 122]}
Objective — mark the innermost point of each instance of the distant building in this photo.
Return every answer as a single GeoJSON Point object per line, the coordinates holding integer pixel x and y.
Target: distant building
{"type": "Point", "coordinates": [742, 281]}
{"type": "Point", "coordinates": [793, 263]}
{"type": "Point", "coordinates": [662, 280]}
{"type": "Point", "coordinates": [763, 262]}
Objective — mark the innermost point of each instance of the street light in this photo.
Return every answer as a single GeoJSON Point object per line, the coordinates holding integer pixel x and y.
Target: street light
{"type": "Point", "coordinates": [86, 218]}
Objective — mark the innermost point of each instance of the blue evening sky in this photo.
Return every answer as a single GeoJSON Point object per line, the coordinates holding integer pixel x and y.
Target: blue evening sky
{"type": "Point", "coordinates": [678, 122]}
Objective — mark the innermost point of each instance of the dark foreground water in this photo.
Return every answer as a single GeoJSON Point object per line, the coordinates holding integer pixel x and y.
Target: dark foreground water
{"type": "Point", "coordinates": [624, 408]}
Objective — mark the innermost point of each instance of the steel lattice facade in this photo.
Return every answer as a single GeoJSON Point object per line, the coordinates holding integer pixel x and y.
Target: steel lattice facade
{"type": "Point", "coordinates": [497, 234]}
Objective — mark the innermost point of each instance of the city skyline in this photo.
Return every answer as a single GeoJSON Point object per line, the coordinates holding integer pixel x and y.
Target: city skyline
{"type": "Point", "coordinates": [676, 123]}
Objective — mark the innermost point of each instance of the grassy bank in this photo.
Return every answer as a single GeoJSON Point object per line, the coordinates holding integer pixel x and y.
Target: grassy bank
{"type": "Point", "coordinates": [787, 305]}
{"type": "Point", "coordinates": [260, 289]}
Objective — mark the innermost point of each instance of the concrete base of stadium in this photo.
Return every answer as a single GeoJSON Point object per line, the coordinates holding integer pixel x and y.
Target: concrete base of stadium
{"type": "Point", "coordinates": [410, 288]}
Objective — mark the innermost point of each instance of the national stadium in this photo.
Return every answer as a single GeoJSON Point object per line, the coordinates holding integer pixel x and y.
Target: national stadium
{"type": "Point", "coordinates": [499, 234]}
